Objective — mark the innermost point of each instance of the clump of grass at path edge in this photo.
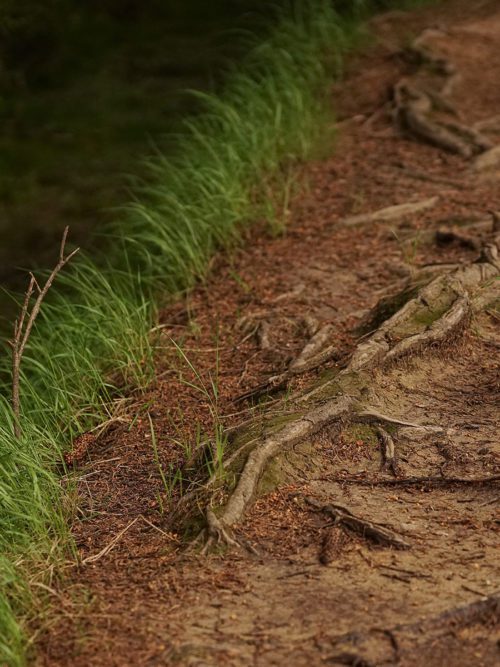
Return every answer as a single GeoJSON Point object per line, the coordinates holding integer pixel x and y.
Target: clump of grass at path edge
{"type": "Point", "coordinates": [96, 324]}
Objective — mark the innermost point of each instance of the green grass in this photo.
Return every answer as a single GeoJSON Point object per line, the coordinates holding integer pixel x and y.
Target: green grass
{"type": "Point", "coordinates": [92, 341]}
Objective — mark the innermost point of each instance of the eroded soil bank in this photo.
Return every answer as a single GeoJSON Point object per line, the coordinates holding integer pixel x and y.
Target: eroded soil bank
{"type": "Point", "coordinates": [305, 587]}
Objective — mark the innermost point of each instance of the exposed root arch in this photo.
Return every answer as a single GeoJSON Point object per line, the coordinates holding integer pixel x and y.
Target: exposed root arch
{"type": "Point", "coordinates": [432, 316]}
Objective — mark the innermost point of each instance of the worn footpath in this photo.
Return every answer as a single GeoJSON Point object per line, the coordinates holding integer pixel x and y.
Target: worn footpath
{"type": "Point", "coordinates": [330, 397]}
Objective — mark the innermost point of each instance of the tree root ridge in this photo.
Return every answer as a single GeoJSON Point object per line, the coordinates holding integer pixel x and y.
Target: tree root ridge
{"type": "Point", "coordinates": [417, 481]}
{"type": "Point", "coordinates": [413, 107]}
{"type": "Point", "coordinates": [294, 432]}
{"type": "Point", "coordinates": [217, 533]}
{"type": "Point", "coordinates": [433, 316]}
{"type": "Point", "coordinates": [448, 292]}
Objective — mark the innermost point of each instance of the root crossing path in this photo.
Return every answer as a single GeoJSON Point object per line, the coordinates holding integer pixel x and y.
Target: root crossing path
{"type": "Point", "coordinates": [313, 477]}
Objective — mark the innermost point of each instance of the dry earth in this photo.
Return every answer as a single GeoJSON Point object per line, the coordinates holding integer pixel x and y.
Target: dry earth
{"type": "Point", "coordinates": [304, 588]}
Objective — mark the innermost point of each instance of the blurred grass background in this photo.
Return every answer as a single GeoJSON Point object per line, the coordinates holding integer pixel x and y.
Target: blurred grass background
{"type": "Point", "coordinates": [86, 91]}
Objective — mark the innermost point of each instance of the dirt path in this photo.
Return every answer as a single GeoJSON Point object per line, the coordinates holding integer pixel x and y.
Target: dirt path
{"type": "Point", "coordinates": [316, 580]}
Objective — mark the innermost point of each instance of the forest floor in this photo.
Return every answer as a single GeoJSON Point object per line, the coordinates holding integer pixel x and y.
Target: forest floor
{"type": "Point", "coordinates": [338, 560]}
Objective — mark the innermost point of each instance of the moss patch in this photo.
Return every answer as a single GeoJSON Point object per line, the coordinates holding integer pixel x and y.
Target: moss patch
{"type": "Point", "coordinates": [364, 432]}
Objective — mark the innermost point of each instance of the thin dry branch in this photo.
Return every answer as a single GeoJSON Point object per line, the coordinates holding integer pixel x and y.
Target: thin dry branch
{"type": "Point", "coordinates": [24, 325]}
{"type": "Point", "coordinates": [373, 531]}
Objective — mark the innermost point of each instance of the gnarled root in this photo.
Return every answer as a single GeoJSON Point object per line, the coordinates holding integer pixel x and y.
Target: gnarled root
{"type": "Point", "coordinates": [413, 107]}
{"type": "Point", "coordinates": [217, 533]}
{"type": "Point", "coordinates": [432, 316]}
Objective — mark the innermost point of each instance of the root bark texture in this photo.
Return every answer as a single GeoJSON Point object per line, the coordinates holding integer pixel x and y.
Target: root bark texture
{"type": "Point", "coordinates": [433, 316]}
{"type": "Point", "coordinates": [414, 106]}
{"type": "Point", "coordinates": [391, 213]}
{"type": "Point", "coordinates": [291, 434]}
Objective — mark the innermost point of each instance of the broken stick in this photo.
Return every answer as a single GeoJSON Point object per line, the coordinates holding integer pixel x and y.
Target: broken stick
{"type": "Point", "coordinates": [373, 531]}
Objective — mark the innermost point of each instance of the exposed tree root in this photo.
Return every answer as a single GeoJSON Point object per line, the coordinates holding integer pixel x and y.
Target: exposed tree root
{"type": "Point", "coordinates": [488, 160]}
{"type": "Point", "coordinates": [263, 335]}
{"type": "Point", "coordinates": [446, 235]}
{"type": "Point", "coordinates": [368, 529]}
{"type": "Point", "coordinates": [418, 322]}
{"type": "Point", "coordinates": [312, 349]}
{"type": "Point", "coordinates": [485, 611]}
{"type": "Point", "coordinates": [313, 355]}
{"type": "Point", "coordinates": [371, 415]}
{"type": "Point", "coordinates": [432, 316]}
{"type": "Point", "coordinates": [413, 107]}
{"type": "Point", "coordinates": [417, 481]}
{"type": "Point", "coordinates": [430, 178]}
{"type": "Point", "coordinates": [491, 124]}
{"type": "Point", "coordinates": [388, 451]}
{"type": "Point", "coordinates": [296, 431]}
{"type": "Point", "coordinates": [217, 533]}
{"type": "Point", "coordinates": [417, 122]}
{"type": "Point", "coordinates": [391, 213]}
{"type": "Point", "coordinates": [475, 612]}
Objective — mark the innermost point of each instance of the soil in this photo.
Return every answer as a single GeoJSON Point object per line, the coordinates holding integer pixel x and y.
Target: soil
{"type": "Point", "coordinates": [302, 588]}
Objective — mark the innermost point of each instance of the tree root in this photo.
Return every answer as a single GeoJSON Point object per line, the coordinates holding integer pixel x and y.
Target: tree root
{"type": "Point", "coordinates": [371, 415]}
{"type": "Point", "coordinates": [482, 612]}
{"type": "Point", "coordinates": [415, 325]}
{"type": "Point", "coordinates": [430, 178]}
{"type": "Point", "coordinates": [417, 481]}
{"type": "Point", "coordinates": [217, 533]}
{"type": "Point", "coordinates": [388, 451]}
{"type": "Point", "coordinates": [447, 235]}
{"type": "Point", "coordinates": [432, 316]}
{"type": "Point", "coordinates": [296, 431]}
{"type": "Point", "coordinates": [368, 529]}
{"type": "Point", "coordinates": [263, 335]}
{"type": "Point", "coordinates": [391, 213]}
{"type": "Point", "coordinates": [312, 349]}
{"type": "Point", "coordinates": [438, 331]}
{"type": "Point", "coordinates": [420, 125]}
{"type": "Point", "coordinates": [313, 355]}
{"type": "Point", "coordinates": [488, 160]}
{"type": "Point", "coordinates": [413, 107]}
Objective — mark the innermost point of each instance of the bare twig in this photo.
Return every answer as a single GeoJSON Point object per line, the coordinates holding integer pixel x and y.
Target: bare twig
{"type": "Point", "coordinates": [111, 545]}
{"type": "Point", "coordinates": [24, 324]}
{"type": "Point", "coordinates": [373, 531]}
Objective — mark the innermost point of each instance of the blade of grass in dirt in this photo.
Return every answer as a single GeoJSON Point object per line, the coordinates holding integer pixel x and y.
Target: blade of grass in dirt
{"type": "Point", "coordinates": [92, 340]}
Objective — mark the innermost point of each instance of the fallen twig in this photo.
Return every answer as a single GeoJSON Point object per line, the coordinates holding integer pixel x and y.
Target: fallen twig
{"type": "Point", "coordinates": [373, 531]}
{"type": "Point", "coordinates": [111, 545]}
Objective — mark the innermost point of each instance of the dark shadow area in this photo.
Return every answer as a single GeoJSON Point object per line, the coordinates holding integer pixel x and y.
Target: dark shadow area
{"type": "Point", "coordinates": [89, 89]}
